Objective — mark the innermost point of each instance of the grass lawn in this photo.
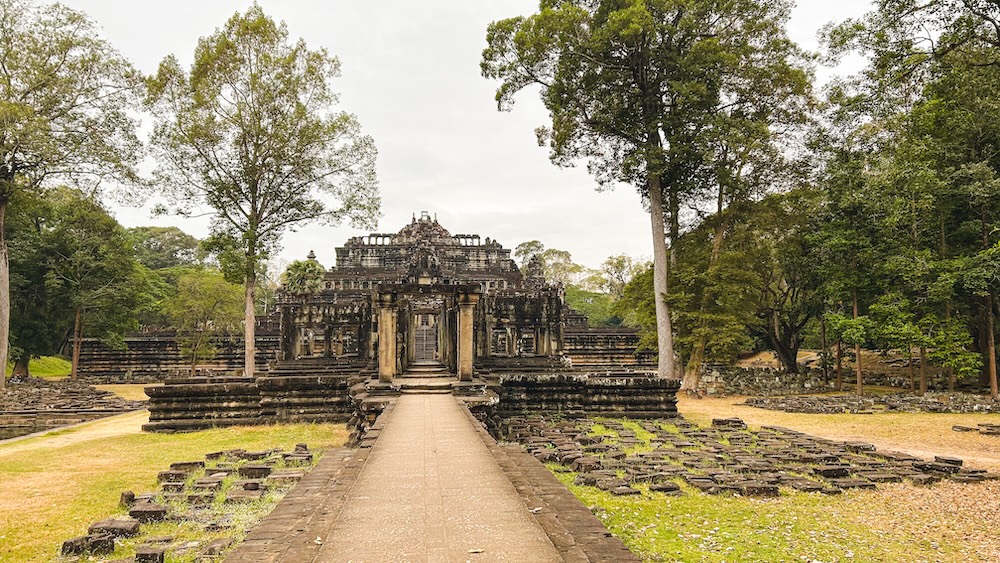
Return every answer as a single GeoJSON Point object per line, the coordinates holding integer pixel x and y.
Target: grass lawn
{"type": "Point", "coordinates": [896, 523]}
{"type": "Point", "coordinates": [47, 367]}
{"type": "Point", "coordinates": [947, 522]}
{"type": "Point", "coordinates": [52, 487]}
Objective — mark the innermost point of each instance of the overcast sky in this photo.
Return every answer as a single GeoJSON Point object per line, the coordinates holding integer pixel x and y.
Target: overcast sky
{"type": "Point", "coordinates": [410, 72]}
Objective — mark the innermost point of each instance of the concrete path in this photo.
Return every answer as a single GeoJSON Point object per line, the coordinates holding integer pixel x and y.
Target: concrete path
{"type": "Point", "coordinates": [429, 490]}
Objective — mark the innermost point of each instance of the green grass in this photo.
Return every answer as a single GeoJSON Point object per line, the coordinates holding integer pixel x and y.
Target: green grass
{"type": "Point", "coordinates": [718, 528]}
{"type": "Point", "coordinates": [52, 487]}
{"type": "Point", "coordinates": [48, 367]}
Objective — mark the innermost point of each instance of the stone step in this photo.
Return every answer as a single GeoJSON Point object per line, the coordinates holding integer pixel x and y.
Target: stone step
{"type": "Point", "coordinates": [421, 375]}
{"type": "Point", "coordinates": [425, 385]}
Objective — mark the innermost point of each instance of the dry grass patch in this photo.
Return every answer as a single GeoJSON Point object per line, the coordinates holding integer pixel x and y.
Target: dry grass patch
{"type": "Point", "coordinates": [128, 391]}
{"type": "Point", "coordinates": [921, 434]}
{"type": "Point", "coordinates": [52, 487]}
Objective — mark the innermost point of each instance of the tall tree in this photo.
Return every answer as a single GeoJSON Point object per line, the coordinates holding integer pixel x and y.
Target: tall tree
{"type": "Point", "coordinates": [65, 96]}
{"type": "Point", "coordinates": [92, 270]}
{"type": "Point", "coordinates": [251, 130]}
{"type": "Point", "coordinates": [635, 87]}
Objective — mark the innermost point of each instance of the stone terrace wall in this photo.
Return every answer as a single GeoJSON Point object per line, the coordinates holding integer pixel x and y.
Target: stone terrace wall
{"type": "Point", "coordinates": [155, 357]}
{"type": "Point", "coordinates": [722, 380]}
{"type": "Point", "coordinates": [601, 394]}
{"type": "Point", "coordinates": [310, 390]}
{"type": "Point", "coordinates": [600, 347]}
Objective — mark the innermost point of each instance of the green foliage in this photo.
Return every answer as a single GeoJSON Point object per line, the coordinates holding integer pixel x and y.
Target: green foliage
{"type": "Point", "coordinates": [164, 247]}
{"type": "Point", "coordinates": [204, 306]}
{"type": "Point", "coordinates": [636, 307]}
{"type": "Point", "coordinates": [303, 277]}
{"type": "Point", "coordinates": [527, 250]}
{"type": "Point", "coordinates": [852, 331]}
{"type": "Point", "coordinates": [615, 273]}
{"type": "Point", "coordinates": [557, 265]}
{"type": "Point", "coordinates": [949, 344]}
{"type": "Point", "coordinates": [92, 268]}
{"type": "Point", "coordinates": [68, 256]}
{"type": "Point", "coordinates": [597, 306]}
{"type": "Point", "coordinates": [251, 131]}
{"type": "Point", "coordinates": [66, 99]}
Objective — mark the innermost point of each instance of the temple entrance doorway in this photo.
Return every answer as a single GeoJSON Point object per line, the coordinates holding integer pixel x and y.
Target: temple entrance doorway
{"type": "Point", "coordinates": [425, 339]}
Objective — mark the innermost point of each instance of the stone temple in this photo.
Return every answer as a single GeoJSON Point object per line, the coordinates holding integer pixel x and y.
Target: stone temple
{"type": "Point", "coordinates": [419, 310]}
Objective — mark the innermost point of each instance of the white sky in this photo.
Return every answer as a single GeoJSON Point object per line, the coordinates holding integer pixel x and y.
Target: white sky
{"type": "Point", "coordinates": [410, 72]}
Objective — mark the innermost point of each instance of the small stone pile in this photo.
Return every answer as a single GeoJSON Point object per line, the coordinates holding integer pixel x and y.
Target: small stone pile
{"type": "Point", "coordinates": [985, 428]}
{"type": "Point", "coordinates": [204, 492]}
{"type": "Point", "coordinates": [726, 458]}
{"type": "Point", "coordinates": [956, 403]}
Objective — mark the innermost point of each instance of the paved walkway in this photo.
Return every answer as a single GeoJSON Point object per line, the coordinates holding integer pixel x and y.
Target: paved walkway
{"type": "Point", "coordinates": [429, 490]}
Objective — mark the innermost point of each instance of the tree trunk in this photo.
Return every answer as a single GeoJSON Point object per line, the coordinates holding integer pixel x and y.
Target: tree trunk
{"type": "Point", "coordinates": [913, 375]}
{"type": "Point", "coordinates": [991, 350]}
{"type": "Point", "coordinates": [947, 317]}
{"type": "Point", "coordinates": [250, 322]}
{"type": "Point", "coordinates": [692, 375]}
{"type": "Point", "coordinates": [840, 366]}
{"type": "Point", "coordinates": [786, 353]}
{"type": "Point", "coordinates": [21, 366]}
{"type": "Point", "coordinates": [664, 335]}
{"type": "Point", "coordinates": [4, 293]}
{"type": "Point", "coordinates": [77, 342]}
{"type": "Point", "coordinates": [857, 347]}
{"type": "Point", "coordinates": [825, 355]}
{"type": "Point", "coordinates": [923, 370]}
{"type": "Point", "coordinates": [981, 346]}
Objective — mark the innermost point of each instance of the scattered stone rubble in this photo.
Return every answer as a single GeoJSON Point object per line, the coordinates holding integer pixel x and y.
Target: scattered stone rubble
{"type": "Point", "coordinates": [206, 493]}
{"type": "Point", "coordinates": [985, 428]}
{"type": "Point", "coordinates": [33, 394]}
{"type": "Point", "coordinates": [30, 404]}
{"type": "Point", "coordinates": [726, 458]}
{"type": "Point", "coordinates": [867, 404]}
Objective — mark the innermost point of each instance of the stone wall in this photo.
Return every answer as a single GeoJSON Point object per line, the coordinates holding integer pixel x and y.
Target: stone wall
{"type": "Point", "coordinates": [154, 357]}
{"type": "Point", "coordinates": [606, 347]}
{"type": "Point", "coordinates": [634, 395]}
{"type": "Point", "coordinates": [203, 402]}
{"type": "Point", "coordinates": [315, 390]}
{"type": "Point", "coordinates": [723, 380]}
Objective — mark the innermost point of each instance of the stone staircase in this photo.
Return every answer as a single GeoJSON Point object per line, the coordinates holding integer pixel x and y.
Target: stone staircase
{"type": "Point", "coordinates": [426, 377]}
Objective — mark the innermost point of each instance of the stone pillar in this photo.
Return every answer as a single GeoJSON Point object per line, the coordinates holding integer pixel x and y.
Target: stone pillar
{"type": "Point", "coordinates": [466, 304]}
{"type": "Point", "coordinates": [386, 337]}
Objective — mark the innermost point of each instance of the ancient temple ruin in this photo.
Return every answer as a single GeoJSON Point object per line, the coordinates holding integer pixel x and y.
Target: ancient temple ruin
{"type": "Point", "coordinates": [425, 297]}
{"type": "Point", "coordinates": [422, 310]}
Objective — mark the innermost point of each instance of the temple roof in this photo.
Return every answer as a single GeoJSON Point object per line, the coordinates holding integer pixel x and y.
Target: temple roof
{"type": "Point", "coordinates": [424, 229]}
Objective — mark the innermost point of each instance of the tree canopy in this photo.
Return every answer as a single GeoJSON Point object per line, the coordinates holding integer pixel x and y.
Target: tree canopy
{"type": "Point", "coordinates": [252, 131]}
{"type": "Point", "coordinates": [653, 93]}
{"type": "Point", "coordinates": [65, 101]}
